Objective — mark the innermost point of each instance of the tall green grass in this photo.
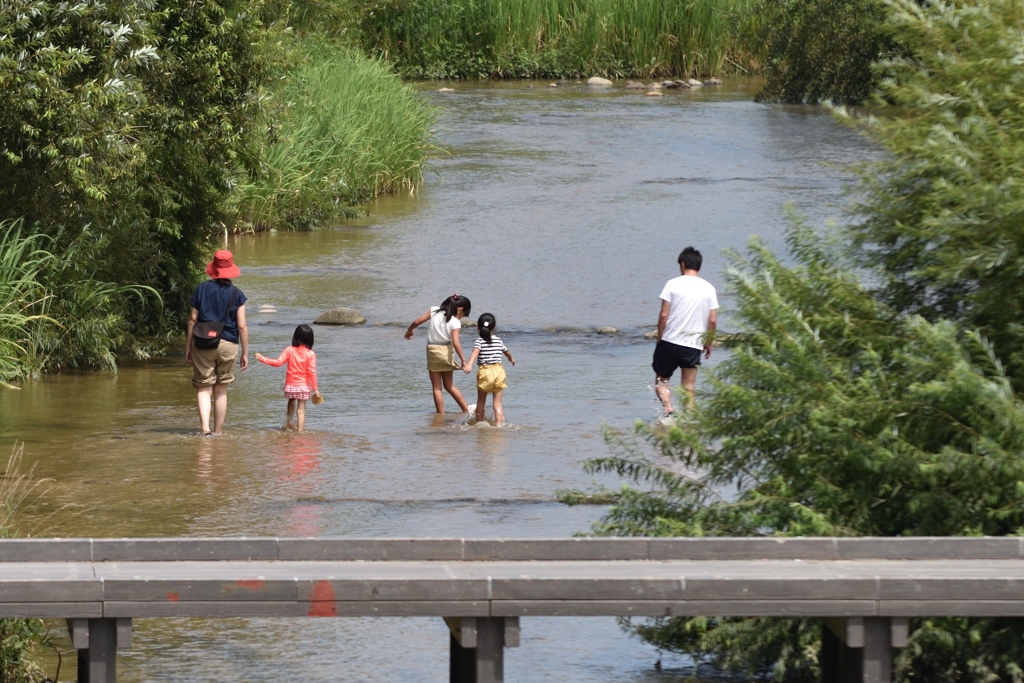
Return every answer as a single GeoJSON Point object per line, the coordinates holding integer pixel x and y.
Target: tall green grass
{"type": "Point", "coordinates": [347, 130]}
{"type": "Point", "coordinates": [22, 299]}
{"type": "Point", "coordinates": [550, 38]}
{"type": "Point", "coordinates": [55, 313]}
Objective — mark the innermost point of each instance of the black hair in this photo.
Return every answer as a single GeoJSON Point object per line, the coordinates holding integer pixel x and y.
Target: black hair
{"type": "Point", "coordinates": [485, 325]}
{"type": "Point", "coordinates": [690, 259]}
{"type": "Point", "coordinates": [452, 304]}
{"type": "Point", "coordinates": [303, 336]}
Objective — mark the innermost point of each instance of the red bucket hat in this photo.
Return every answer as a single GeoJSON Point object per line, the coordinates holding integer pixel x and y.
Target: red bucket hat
{"type": "Point", "coordinates": [222, 266]}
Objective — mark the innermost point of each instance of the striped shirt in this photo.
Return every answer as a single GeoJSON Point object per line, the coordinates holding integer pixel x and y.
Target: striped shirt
{"type": "Point", "coordinates": [490, 353]}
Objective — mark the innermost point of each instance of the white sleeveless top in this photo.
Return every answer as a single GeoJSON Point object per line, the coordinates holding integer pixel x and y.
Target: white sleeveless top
{"type": "Point", "coordinates": [439, 331]}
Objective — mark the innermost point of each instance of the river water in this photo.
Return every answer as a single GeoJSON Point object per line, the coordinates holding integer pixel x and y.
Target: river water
{"type": "Point", "coordinates": [558, 210]}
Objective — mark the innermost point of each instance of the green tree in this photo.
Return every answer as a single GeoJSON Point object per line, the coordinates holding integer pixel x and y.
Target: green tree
{"type": "Point", "coordinates": [942, 213]}
{"type": "Point", "coordinates": [818, 50]}
{"type": "Point", "coordinates": [124, 127]}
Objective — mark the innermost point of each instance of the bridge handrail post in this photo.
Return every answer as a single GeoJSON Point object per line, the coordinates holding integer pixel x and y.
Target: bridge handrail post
{"type": "Point", "coordinates": [97, 642]}
{"type": "Point", "coordinates": [859, 649]}
{"type": "Point", "coordinates": [477, 648]}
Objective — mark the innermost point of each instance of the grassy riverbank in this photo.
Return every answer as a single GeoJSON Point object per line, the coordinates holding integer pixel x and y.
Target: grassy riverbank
{"type": "Point", "coordinates": [345, 129]}
{"type": "Point", "coordinates": [553, 38]}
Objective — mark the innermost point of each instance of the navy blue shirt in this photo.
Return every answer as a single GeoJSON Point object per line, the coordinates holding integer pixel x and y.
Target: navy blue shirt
{"type": "Point", "coordinates": [211, 300]}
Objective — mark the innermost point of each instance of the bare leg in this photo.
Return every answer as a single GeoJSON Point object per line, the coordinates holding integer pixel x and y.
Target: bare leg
{"type": "Point", "coordinates": [481, 403]}
{"type": "Point", "coordinates": [436, 386]}
{"type": "Point", "coordinates": [499, 411]}
{"type": "Point", "coordinates": [449, 386]}
{"type": "Point", "coordinates": [291, 414]}
{"type": "Point", "coordinates": [301, 413]}
{"type": "Point", "coordinates": [664, 393]}
{"type": "Point", "coordinates": [220, 407]}
{"type": "Point", "coordinates": [689, 379]}
{"type": "Point", "coordinates": [203, 400]}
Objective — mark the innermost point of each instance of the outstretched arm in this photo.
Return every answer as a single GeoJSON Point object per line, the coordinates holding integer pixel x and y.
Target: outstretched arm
{"type": "Point", "coordinates": [468, 365]}
{"type": "Point", "coordinates": [416, 323]}
{"type": "Point", "coordinates": [276, 362]}
{"type": "Point", "coordinates": [458, 346]}
{"type": "Point", "coordinates": [508, 354]}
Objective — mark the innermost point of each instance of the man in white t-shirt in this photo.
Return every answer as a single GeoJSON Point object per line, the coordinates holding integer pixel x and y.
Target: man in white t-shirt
{"type": "Point", "coordinates": [686, 327]}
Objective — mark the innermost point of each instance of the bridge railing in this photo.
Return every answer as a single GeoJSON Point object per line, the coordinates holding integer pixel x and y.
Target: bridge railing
{"type": "Point", "coordinates": [863, 589]}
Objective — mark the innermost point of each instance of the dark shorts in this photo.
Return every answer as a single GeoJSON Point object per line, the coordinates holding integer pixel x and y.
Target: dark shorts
{"type": "Point", "coordinates": [669, 356]}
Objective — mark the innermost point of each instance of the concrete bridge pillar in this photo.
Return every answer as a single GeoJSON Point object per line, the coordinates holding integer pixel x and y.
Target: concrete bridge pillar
{"type": "Point", "coordinates": [477, 648]}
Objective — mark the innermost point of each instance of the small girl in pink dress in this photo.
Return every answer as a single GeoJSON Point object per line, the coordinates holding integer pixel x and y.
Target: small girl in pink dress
{"type": "Point", "coordinates": [300, 379]}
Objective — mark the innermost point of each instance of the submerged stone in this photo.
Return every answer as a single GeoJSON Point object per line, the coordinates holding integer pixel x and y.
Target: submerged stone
{"type": "Point", "coordinates": [597, 80]}
{"type": "Point", "coordinates": [340, 316]}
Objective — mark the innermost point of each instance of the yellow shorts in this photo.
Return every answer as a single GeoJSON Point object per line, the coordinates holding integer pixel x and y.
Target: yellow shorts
{"type": "Point", "coordinates": [441, 358]}
{"type": "Point", "coordinates": [490, 378]}
{"type": "Point", "coordinates": [214, 366]}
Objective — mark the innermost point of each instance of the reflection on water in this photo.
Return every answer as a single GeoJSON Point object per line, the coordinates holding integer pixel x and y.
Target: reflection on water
{"type": "Point", "coordinates": [558, 212]}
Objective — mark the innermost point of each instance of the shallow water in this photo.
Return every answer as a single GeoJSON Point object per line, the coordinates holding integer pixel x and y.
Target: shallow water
{"type": "Point", "coordinates": [558, 210]}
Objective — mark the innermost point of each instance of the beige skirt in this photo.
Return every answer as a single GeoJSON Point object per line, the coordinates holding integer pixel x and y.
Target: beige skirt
{"type": "Point", "coordinates": [441, 358]}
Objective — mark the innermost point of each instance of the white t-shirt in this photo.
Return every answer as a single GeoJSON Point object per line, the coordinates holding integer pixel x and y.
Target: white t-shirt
{"type": "Point", "coordinates": [439, 331]}
{"type": "Point", "coordinates": [691, 300]}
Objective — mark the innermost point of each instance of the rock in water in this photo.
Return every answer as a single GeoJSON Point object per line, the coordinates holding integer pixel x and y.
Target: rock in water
{"type": "Point", "coordinates": [597, 80]}
{"type": "Point", "coordinates": [340, 316]}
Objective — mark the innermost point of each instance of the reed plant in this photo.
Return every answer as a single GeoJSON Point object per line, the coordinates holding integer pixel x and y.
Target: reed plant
{"type": "Point", "coordinates": [346, 130]}
{"type": "Point", "coordinates": [22, 299]}
{"type": "Point", "coordinates": [551, 38]}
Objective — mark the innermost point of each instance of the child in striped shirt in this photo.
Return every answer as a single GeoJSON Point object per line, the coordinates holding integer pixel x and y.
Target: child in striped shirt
{"type": "Point", "coordinates": [490, 375]}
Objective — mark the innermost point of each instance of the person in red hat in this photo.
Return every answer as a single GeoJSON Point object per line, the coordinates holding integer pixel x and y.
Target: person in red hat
{"type": "Point", "coordinates": [226, 340]}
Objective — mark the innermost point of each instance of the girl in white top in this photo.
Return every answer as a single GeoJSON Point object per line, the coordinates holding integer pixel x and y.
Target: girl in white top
{"type": "Point", "coordinates": [490, 376]}
{"type": "Point", "coordinates": [442, 346]}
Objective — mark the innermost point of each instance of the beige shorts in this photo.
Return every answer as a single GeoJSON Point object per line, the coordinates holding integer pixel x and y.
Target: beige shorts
{"type": "Point", "coordinates": [214, 366]}
{"type": "Point", "coordinates": [441, 358]}
{"type": "Point", "coordinates": [490, 378]}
